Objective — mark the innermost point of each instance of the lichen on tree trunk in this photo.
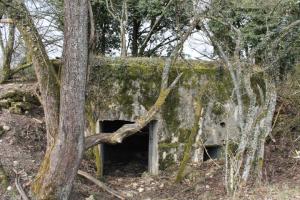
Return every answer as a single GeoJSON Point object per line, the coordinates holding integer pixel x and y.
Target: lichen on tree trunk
{"type": "Point", "coordinates": [63, 102]}
{"type": "Point", "coordinates": [7, 54]}
{"type": "Point", "coordinates": [96, 149]}
{"type": "Point", "coordinates": [188, 147]}
{"type": "Point", "coordinates": [3, 178]}
{"type": "Point", "coordinates": [66, 153]}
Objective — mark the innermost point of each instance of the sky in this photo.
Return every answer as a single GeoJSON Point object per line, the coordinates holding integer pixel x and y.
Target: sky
{"type": "Point", "coordinates": [194, 48]}
{"type": "Point", "coordinates": [198, 47]}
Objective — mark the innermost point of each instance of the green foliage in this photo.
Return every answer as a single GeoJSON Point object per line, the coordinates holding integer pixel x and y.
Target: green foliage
{"type": "Point", "coordinates": [142, 15]}
{"type": "Point", "coordinates": [107, 35]}
{"type": "Point", "coordinates": [258, 21]}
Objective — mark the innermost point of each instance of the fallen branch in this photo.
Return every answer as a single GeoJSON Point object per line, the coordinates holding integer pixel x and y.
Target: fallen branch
{"type": "Point", "coordinates": [19, 187]}
{"type": "Point", "coordinates": [38, 121]}
{"type": "Point", "coordinates": [7, 21]}
{"type": "Point", "coordinates": [100, 184]}
{"type": "Point", "coordinates": [130, 129]}
{"type": "Point", "coordinates": [297, 139]}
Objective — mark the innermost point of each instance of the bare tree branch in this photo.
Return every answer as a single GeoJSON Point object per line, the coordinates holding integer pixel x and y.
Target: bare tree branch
{"type": "Point", "coordinates": [150, 33]}
{"type": "Point", "coordinates": [110, 9]}
{"type": "Point", "coordinates": [20, 68]}
{"type": "Point", "coordinates": [92, 24]}
{"type": "Point", "coordinates": [19, 186]}
{"type": "Point", "coordinates": [100, 184]}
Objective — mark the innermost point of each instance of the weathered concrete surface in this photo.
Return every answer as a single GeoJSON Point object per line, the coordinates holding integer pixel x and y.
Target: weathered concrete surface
{"type": "Point", "coordinates": [125, 89]}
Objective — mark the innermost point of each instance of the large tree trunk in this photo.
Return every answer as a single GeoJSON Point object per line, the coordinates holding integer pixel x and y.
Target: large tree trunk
{"type": "Point", "coordinates": [63, 102]}
{"type": "Point", "coordinates": [56, 180]}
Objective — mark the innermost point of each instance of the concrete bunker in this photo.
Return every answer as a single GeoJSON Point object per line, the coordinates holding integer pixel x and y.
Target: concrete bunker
{"type": "Point", "coordinates": [125, 89]}
{"type": "Point", "coordinates": [134, 156]}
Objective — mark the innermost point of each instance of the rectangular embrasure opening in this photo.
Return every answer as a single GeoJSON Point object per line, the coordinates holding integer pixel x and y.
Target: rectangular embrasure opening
{"type": "Point", "coordinates": [129, 158]}
{"type": "Point", "coordinates": [212, 152]}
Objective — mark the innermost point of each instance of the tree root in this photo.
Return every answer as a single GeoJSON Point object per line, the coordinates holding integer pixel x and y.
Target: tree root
{"type": "Point", "coordinates": [100, 184]}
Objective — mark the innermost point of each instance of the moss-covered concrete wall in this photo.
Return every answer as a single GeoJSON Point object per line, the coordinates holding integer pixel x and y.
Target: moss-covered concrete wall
{"type": "Point", "coordinates": [125, 89]}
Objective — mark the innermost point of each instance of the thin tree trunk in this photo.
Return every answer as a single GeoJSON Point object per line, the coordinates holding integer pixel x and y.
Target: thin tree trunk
{"type": "Point", "coordinates": [123, 27]}
{"type": "Point", "coordinates": [188, 146]}
{"type": "Point", "coordinates": [7, 54]}
{"type": "Point", "coordinates": [267, 126]}
{"type": "Point", "coordinates": [123, 39]}
{"type": "Point", "coordinates": [135, 37]}
{"type": "Point", "coordinates": [103, 38]}
{"type": "Point", "coordinates": [122, 19]}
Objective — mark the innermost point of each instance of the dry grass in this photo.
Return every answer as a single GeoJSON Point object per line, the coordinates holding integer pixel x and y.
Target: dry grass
{"type": "Point", "coordinates": [280, 191]}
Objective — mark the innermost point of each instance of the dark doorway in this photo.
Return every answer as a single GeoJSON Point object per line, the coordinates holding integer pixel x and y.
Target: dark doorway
{"type": "Point", "coordinates": [130, 158]}
{"type": "Point", "coordinates": [212, 152]}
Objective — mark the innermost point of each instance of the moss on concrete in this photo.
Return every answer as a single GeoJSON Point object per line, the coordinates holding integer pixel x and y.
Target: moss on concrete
{"type": "Point", "coordinates": [116, 84]}
{"type": "Point", "coordinates": [218, 108]}
{"type": "Point", "coordinates": [167, 146]}
{"type": "Point", "coordinates": [141, 74]}
{"type": "Point", "coordinates": [184, 135]}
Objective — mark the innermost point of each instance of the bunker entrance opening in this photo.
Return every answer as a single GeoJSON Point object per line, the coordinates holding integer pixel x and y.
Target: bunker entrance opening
{"type": "Point", "coordinates": [129, 158]}
{"type": "Point", "coordinates": [212, 152]}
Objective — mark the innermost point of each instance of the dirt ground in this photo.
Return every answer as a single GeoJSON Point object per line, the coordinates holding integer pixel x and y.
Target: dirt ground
{"type": "Point", "coordinates": [23, 145]}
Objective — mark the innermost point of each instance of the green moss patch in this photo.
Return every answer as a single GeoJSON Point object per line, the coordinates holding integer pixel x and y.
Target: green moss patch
{"type": "Point", "coordinates": [119, 85]}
